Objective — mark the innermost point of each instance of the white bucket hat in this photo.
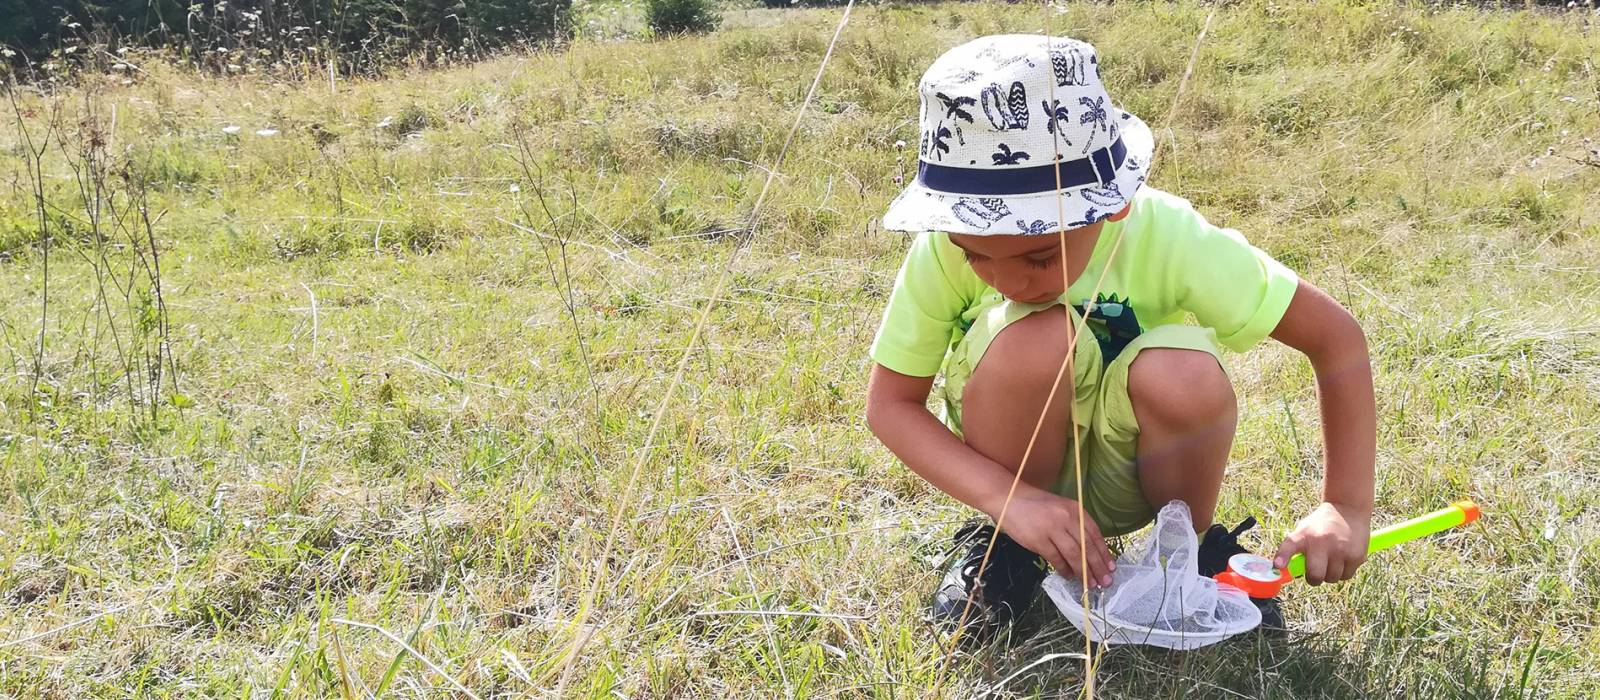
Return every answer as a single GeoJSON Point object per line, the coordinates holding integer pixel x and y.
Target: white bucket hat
{"type": "Point", "coordinates": [991, 127]}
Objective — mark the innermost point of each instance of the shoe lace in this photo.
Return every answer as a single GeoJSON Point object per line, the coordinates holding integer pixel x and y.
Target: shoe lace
{"type": "Point", "coordinates": [1005, 560]}
{"type": "Point", "coordinates": [975, 537]}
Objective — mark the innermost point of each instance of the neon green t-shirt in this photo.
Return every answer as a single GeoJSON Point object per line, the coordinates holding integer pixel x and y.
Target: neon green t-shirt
{"type": "Point", "coordinates": [1171, 263]}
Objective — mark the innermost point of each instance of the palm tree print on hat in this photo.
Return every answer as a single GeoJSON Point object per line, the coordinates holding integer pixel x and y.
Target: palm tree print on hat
{"type": "Point", "coordinates": [1006, 156]}
{"type": "Point", "coordinates": [1107, 196]}
{"type": "Point", "coordinates": [961, 75]}
{"type": "Point", "coordinates": [1068, 67]}
{"type": "Point", "coordinates": [937, 146]}
{"type": "Point", "coordinates": [980, 212]}
{"type": "Point", "coordinates": [955, 110]}
{"type": "Point", "coordinates": [1037, 227]}
{"type": "Point", "coordinates": [1054, 113]}
{"type": "Point", "coordinates": [1095, 115]}
{"type": "Point", "coordinates": [1009, 111]}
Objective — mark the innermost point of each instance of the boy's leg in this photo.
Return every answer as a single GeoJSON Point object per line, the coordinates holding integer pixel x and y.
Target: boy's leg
{"type": "Point", "coordinates": [997, 381]}
{"type": "Point", "coordinates": [1001, 402]}
{"type": "Point", "coordinates": [1187, 413]}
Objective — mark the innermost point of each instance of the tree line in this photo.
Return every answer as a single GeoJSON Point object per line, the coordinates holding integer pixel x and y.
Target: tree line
{"type": "Point", "coordinates": [220, 32]}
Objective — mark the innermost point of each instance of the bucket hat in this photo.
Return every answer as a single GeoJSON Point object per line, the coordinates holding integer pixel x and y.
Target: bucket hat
{"type": "Point", "coordinates": [1002, 118]}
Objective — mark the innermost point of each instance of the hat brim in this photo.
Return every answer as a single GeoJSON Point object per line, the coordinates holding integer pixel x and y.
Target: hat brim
{"type": "Point", "coordinates": [918, 209]}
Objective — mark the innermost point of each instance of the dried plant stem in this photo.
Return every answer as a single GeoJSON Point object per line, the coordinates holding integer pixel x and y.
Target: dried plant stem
{"type": "Point", "coordinates": [33, 155]}
{"type": "Point", "coordinates": [562, 281]}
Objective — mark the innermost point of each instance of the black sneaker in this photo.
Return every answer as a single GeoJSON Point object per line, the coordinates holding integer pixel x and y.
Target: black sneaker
{"type": "Point", "coordinates": [1005, 591]}
{"type": "Point", "coordinates": [1216, 546]}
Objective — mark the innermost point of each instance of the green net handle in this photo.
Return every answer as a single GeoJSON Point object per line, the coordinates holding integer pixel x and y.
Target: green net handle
{"type": "Point", "coordinates": [1418, 527]}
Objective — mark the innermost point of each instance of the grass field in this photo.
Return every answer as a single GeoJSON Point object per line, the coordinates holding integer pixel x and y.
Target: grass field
{"type": "Point", "coordinates": [421, 332]}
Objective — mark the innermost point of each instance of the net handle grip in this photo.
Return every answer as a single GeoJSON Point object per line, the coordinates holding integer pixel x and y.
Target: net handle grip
{"type": "Point", "coordinates": [1458, 514]}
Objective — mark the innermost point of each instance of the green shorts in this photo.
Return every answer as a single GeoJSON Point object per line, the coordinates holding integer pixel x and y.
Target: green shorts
{"type": "Point", "coordinates": [1101, 408]}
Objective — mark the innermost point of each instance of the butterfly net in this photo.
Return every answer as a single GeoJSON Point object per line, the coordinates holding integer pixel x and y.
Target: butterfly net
{"type": "Point", "coordinates": [1157, 595]}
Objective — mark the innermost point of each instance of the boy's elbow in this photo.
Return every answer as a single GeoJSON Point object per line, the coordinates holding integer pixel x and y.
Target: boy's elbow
{"type": "Point", "coordinates": [890, 396]}
{"type": "Point", "coordinates": [875, 412]}
{"type": "Point", "coordinates": [1343, 344]}
{"type": "Point", "coordinates": [882, 408]}
{"type": "Point", "coordinates": [1351, 335]}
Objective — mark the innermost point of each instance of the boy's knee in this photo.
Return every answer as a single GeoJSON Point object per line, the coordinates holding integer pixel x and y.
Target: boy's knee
{"type": "Point", "coordinates": [1180, 387]}
{"type": "Point", "coordinates": [1027, 352]}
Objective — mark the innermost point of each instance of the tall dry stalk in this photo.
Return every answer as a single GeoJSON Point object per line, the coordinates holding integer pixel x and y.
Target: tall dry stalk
{"type": "Point", "coordinates": [562, 280]}
{"type": "Point", "coordinates": [34, 148]}
{"type": "Point", "coordinates": [117, 232]}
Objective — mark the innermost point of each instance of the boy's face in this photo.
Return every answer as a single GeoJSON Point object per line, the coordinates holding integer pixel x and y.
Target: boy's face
{"type": "Point", "coordinates": [1028, 268]}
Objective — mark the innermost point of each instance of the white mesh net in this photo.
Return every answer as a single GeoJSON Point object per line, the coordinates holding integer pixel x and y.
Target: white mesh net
{"type": "Point", "coordinates": [1157, 595]}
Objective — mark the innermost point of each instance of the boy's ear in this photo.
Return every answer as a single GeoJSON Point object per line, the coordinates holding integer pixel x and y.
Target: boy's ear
{"type": "Point", "coordinates": [1121, 214]}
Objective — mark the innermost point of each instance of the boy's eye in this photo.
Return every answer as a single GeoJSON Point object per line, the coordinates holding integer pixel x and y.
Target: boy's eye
{"type": "Point", "coordinates": [1041, 263]}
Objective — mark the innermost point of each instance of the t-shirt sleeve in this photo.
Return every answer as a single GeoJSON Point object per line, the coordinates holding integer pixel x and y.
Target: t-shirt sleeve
{"type": "Point", "coordinates": [922, 314]}
{"type": "Point", "coordinates": [1229, 285]}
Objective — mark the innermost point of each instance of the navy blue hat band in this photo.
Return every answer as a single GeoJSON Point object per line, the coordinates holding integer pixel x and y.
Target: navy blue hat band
{"type": "Point", "coordinates": [1098, 168]}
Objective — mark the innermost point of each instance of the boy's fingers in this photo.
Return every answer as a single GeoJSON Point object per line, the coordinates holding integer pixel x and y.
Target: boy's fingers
{"type": "Point", "coordinates": [1352, 564]}
{"type": "Point", "coordinates": [1109, 563]}
{"type": "Point", "coordinates": [1091, 550]}
{"type": "Point", "coordinates": [1058, 563]}
{"type": "Point", "coordinates": [1068, 549]}
{"type": "Point", "coordinates": [1316, 565]}
{"type": "Point", "coordinates": [1100, 559]}
{"type": "Point", "coordinates": [1289, 548]}
{"type": "Point", "coordinates": [1096, 566]}
{"type": "Point", "coordinates": [1098, 573]}
{"type": "Point", "coordinates": [1095, 553]}
{"type": "Point", "coordinates": [1335, 571]}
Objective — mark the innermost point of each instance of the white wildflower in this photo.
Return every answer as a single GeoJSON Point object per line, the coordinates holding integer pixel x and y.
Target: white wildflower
{"type": "Point", "coordinates": [386, 122]}
{"type": "Point", "coordinates": [231, 130]}
{"type": "Point", "coordinates": [267, 132]}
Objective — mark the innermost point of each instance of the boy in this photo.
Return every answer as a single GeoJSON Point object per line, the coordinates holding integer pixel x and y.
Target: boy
{"type": "Point", "coordinates": [1022, 149]}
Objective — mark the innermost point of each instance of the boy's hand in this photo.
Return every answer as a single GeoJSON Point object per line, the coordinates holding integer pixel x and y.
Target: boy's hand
{"type": "Point", "coordinates": [1333, 539]}
{"type": "Point", "coordinates": [1047, 525]}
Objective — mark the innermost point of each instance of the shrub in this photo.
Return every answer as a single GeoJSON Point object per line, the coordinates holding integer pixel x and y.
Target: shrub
{"type": "Point", "coordinates": [682, 16]}
{"type": "Point", "coordinates": [365, 33]}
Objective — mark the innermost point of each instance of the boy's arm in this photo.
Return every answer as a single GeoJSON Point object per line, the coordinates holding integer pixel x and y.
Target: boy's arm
{"type": "Point", "coordinates": [1334, 536]}
{"type": "Point", "coordinates": [1043, 522]}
